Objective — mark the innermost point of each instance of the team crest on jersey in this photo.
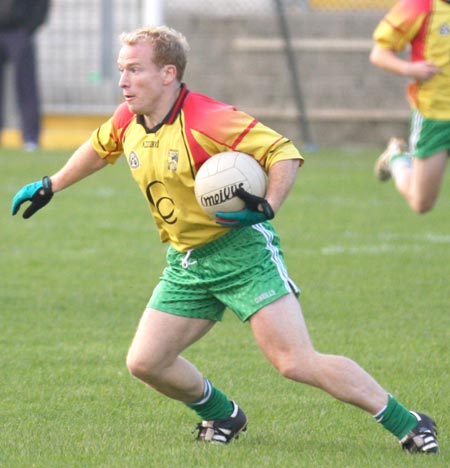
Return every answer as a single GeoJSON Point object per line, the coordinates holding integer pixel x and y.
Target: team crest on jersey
{"type": "Point", "coordinates": [172, 160]}
{"type": "Point", "coordinates": [133, 160]}
{"type": "Point", "coordinates": [444, 30]}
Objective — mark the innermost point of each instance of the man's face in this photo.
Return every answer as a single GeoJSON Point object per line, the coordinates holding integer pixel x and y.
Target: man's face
{"type": "Point", "coordinates": [141, 80]}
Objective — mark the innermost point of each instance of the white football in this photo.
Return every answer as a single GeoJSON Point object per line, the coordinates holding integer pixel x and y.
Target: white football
{"type": "Point", "coordinates": [219, 177]}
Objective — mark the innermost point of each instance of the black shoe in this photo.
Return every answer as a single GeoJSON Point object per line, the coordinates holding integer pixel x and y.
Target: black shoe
{"type": "Point", "coordinates": [423, 438]}
{"type": "Point", "coordinates": [223, 431]}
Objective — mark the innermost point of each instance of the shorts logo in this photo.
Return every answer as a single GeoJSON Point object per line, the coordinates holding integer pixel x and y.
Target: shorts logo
{"type": "Point", "coordinates": [264, 295]}
{"type": "Point", "coordinates": [172, 160]}
{"type": "Point", "coordinates": [133, 160]}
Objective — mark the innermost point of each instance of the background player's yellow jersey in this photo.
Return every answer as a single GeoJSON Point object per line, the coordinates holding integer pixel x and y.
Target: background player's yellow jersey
{"type": "Point", "coordinates": [165, 159]}
{"type": "Point", "coordinates": [426, 25]}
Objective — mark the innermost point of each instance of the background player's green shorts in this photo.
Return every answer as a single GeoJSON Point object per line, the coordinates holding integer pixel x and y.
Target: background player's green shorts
{"type": "Point", "coordinates": [243, 270]}
{"type": "Point", "coordinates": [428, 136]}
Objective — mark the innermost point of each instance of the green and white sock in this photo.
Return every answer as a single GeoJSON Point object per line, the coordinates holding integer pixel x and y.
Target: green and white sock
{"type": "Point", "coordinates": [396, 418]}
{"type": "Point", "coordinates": [213, 404]}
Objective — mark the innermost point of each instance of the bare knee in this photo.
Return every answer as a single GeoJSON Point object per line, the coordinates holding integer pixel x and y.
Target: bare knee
{"type": "Point", "coordinates": [135, 367]}
{"type": "Point", "coordinates": [422, 203]}
{"type": "Point", "coordinates": [298, 369]}
{"type": "Point", "coordinates": [141, 368]}
{"type": "Point", "coordinates": [421, 206]}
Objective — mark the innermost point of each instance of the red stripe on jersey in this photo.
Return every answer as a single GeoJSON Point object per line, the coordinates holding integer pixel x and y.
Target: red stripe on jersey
{"type": "Point", "coordinates": [393, 26]}
{"type": "Point", "coordinates": [199, 113]}
{"type": "Point", "coordinates": [242, 135]}
{"type": "Point", "coordinates": [418, 44]}
{"type": "Point", "coordinates": [177, 106]}
{"type": "Point", "coordinates": [121, 119]}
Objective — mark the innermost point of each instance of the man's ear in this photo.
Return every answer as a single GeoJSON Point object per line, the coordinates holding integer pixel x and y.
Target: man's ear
{"type": "Point", "coordinates": [168, 73]}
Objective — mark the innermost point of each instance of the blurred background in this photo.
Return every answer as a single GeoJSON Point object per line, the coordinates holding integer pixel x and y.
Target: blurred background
{"type": "Point", "coordinates": [300, 66]}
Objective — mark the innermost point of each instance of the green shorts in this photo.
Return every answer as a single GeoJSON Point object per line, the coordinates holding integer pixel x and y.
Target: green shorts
{"type": "Point", "coordinates": [243, 270]}
{"type": "Point", "coordinates": [428, 136]}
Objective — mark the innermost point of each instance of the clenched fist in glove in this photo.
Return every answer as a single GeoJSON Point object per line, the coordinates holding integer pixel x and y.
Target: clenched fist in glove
{"type": "Point", "coordinates": [257, 210]}
{"type": "Point", "coordinates": [38, 193]}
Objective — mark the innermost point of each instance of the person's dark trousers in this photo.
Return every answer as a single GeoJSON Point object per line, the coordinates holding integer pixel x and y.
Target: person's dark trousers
{"type": "Point", "coordinates": [17, 48]}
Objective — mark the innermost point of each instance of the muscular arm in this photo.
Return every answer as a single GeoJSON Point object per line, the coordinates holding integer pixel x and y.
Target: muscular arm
{"type": "Point", "coordinates": [84, 162]}
{"type": "Point", "coordinates": [388, 60]}
{"type": "Point", "coordinates": [282, 176]}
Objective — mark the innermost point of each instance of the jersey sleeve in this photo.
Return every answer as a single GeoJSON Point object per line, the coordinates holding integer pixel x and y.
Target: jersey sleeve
{"type": "Point", "coordinates": [401, 24]}
{"type": "Point", "coordinates": [107, 140]}
{"type": "Point", "coordinates": [213, 127]}
{"type": "Point", "coordinates": [268, 146]}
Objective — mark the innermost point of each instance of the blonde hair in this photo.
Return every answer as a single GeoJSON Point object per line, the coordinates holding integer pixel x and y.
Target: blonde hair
{"type": "Point", "coordinates": [169, 46]}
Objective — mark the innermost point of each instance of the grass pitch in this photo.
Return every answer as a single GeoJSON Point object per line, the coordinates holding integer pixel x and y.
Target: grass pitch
{"type": "Point", "coordinates": [76, 277]}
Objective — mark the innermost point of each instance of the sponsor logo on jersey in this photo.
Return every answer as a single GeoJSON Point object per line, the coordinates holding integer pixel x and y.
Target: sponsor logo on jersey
{"type": "Point", "coordinates": [172, 160]}
{"type": "Point", "coordinates": [133, 160]}
{"type": "Point", "coordinates": [151, 144]}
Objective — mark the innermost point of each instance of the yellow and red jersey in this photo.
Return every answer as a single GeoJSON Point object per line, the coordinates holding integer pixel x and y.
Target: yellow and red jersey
{"type": "Point", "coordinates": [425, 25]}
{"type": "Point", "coordinates": [164, 160]}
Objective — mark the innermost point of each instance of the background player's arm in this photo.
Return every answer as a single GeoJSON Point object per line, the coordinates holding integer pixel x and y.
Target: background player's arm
{"type": "Point", "coordinates": [388, 60]}
{"type": "Point", "coordinates": [84, 162]}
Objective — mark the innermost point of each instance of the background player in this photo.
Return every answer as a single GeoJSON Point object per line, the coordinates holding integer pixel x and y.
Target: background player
{"type": "Point", "coordinates": [19, 22]}
{"type": "Point", "coordinates": [425, 25]}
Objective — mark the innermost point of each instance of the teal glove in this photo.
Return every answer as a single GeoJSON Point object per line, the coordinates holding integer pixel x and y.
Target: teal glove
{"type": "Point", "coordinates": [250, 214]}
{"type": "Point", "coordinates": [245, 217]}
{"type": "Point", "coordinates": [39, 193]}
